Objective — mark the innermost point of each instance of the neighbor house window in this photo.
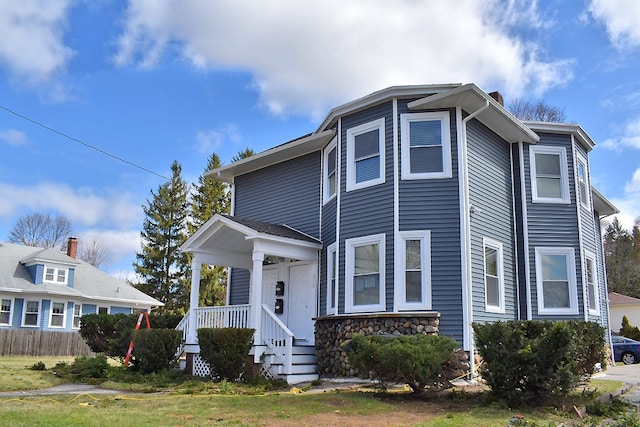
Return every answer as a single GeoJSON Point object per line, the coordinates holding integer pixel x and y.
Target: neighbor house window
{"type": "Point", "coordinates": [31, 313]}
{"type": "Point", "coordinates": [365, 155]}
{"type": "Point", "coordinates": [556, 281]}
{"type": "Point", "coordinates": [103, 310]}
{"type": "Point", "coordinates": [57, 315]}
{"type": "Point", "coordinates": [413, 270]}
{"type": "Point", "coordinates": [364, 274]}
{"type": "Point", "coordinates": [582, 183]}
{"type": "Point", "coordinates": [330, 171]}
{"type": "Point", "coordinates": [5, 311]}
{"type": "Point", "coordinates": [493, 276]}
{"type": "Point", "coordinates": [55, 275]}
{"type": "Point", "coordinates": [332, 278]}
{"type": "Point", "coordinates": [590, 282]}
{"type": "Point", "coordinates": [549, 183]}
{"type": "Point", "coordinates": [426, 145]}
{"type": "Point", "coordinates": [77, 314]}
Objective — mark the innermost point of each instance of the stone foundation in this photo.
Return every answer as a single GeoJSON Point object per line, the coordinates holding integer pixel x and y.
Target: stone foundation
{"type": "Point", "coordinates": [332, 332]}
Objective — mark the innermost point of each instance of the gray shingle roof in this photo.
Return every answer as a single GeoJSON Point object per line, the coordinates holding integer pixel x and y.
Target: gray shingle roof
{"type": "Point", "coordinates": [90, 283]}
{"type": "Point", "coordinates": [273, 229]}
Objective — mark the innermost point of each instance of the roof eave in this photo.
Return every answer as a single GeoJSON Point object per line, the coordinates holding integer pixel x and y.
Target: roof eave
{"type": "Point", "coordinates": [564, 128]}
{"type": "Point", "coordinates": [601, 205]}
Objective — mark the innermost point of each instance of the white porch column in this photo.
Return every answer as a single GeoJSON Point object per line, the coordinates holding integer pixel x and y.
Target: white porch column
{"type": "Point", "coordinates": [256, 296]}
{"type": "Point", "coordinates": [192, 333]}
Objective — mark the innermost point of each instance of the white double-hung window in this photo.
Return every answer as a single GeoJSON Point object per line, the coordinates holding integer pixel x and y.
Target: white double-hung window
{"type": "Point", "coordinates": [332, 279]}
{"type": "Point", "coordinates": [364, 274]}
{"type": "Point", "coordinates": [556, 280]}
{"type": "Point", "coordinates": [330, 172]}
{"type": "Point", "coordinates": [31, 313]}
{"type": "Point", "coordinates": [582, 183]}
{"type": "Point", "coordinates": [426, 145]}
{"type": "Point", "coordinates": [493, 276]}
{"type": "Point", "coordinates": [5, 311]}
{"type": "Point", "coordinates": [57, 318]}
{"type": "Point", "coordinates": [549, 175]}
{"type": "Point", "coordinates": [365, 155]}
{"type": "Point", "coordinates": [413, 270]}
{"type": "Point", "coordinates": [55, 275]}
{"type": "Point", "coordinates": [591, 283]}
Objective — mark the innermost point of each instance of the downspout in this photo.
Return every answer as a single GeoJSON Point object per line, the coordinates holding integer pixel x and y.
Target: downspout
{"type": "Point", "coordinates": [525, 232]}
{"type": "Point", "coordinates": [515, 231]}
{"type": "Point", "coordinates": [466, 228]}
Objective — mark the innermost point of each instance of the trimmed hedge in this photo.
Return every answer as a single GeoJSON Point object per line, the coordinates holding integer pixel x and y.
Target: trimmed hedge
{"type": "Point", "coordinates": [534, 362]}
{"type": "Point", "coordinates": [225, 350]}
{"type": "Point", "coordinates": [416, 360]}
{"type": "Point", "coordinates": [154, 350]}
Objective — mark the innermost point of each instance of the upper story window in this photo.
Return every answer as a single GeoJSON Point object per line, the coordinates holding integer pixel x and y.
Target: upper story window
{"type": "Point", "coordinates": [556, 280]}
{"type": "Point", "coordinates": [55, 275]}
{"type": "Point", "coordinates": [582, 186]}
{"type": "Point", "coordinates": [5, 311]}
{"type": "Point", "coordinates": [413, 271]}
{"type": "Point", "coordinates": [332, 278]}
{"type": "Point", "coordinates": [590, 283]}
{"type": "Point", "coordinates": [365, 155]}
{"type": "Point", "coordinates": [31, 313]}
{"type": "Point", "coordinates": [549, 182]}
{"type": "Point", "coordinates": [364, 274]}
{"type": "Point", "coordinates": [493, 276]}
{"type": "Point", "coordinates": [426, 145]}
{"type": "Point", "coordinates": [330, 172]}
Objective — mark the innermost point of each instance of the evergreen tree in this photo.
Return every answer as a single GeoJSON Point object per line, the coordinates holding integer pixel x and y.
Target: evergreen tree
{"type": "Point", "coordinates": [161, 266]}
{"type": "Point", "coordinates": [243, 154]}
{"type": "Point", "coordinates": [209, 198]}
{"type": "Point", "coordinates": [622, 251]}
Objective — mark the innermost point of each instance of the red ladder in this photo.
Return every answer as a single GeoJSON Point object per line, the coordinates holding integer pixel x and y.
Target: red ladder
{"type": "Point", "coordinates": [146, 316]}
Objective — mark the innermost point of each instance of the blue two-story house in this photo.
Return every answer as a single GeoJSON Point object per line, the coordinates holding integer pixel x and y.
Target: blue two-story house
{"type": "Point", "coordinates": [416, 209]}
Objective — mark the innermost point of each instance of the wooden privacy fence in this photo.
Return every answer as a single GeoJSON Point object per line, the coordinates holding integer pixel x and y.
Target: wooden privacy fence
{"type": "Point", "coordinates": [21, 342]}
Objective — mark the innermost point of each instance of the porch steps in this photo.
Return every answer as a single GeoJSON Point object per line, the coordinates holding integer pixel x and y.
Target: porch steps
{"type": "Point", "coordinates": [304, 366]}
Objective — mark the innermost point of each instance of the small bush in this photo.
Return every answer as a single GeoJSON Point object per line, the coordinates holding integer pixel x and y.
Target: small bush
{"type": "Point", "coordinates": [416, 360]}
{"type": "Point", "coordinates": [154, 350]}
{"type": "Point", "coordinates": [40, 366]}
{"type": "Point", "coordinates": [225, 350]}
{"type": "Point", "coordinates": [532, 362]}
{"type": "Point", "coordinates": [629, 331]}
{"type": "Point", "coordinates": [84, 369]}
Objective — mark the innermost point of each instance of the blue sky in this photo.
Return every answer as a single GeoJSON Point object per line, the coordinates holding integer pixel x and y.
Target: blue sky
{"type": "Point", "coordinates": [153, 81]}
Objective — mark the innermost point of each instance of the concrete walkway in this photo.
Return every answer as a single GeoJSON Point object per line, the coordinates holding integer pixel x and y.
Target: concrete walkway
{"type": "Point", "coordinates": [62, 389]}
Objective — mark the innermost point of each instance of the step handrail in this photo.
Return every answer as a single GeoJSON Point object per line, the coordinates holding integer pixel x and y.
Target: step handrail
{"type": "Point", "coordinates": [277, 337]}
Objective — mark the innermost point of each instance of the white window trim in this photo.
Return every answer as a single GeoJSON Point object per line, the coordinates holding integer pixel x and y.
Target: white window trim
{"type": "Point", "coordinates": [400, 268]}
{"type": "Point", "coordinates": [590, 258]}
{"type": "Point", "coordinates": [56, 271]}
{"type": "Point", "coordinates": [64, 315]}
{"type": "Point", "coordinates": [497, 246]}
{"type": "Point", "coordinates": [405, 139]}
{"type": "Point", "coordinates": [24, 313]}
{"type": "Point", "coordinates": [569, 253]}
{"type": "Point", "coordinates": [351, 167]}
{"type": "Point", "coordinates": [331, 259]}
{"type": "Point", "coordinates": [564, 181]}
{"type": "Point", "coordinates": [11, 308]}
{"type": "Point", "coordinates": [73, 315]}
{"type": "Point", "coordinates": [326, 197]}
{"type": "Point", "coordinates": [586, 204]}
{"type": "Point", "coordinates": [350, 244]}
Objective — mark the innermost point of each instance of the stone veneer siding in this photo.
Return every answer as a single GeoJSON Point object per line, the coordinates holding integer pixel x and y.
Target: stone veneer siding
{"type": "Point", "coordinates": [333, 332]}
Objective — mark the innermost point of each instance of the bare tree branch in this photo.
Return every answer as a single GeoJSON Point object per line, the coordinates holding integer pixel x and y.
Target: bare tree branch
{"type": "Point", "coordinates": [41, 230]}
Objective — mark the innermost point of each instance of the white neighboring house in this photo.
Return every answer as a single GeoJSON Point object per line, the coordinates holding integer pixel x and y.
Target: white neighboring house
{"type": "Point", "coordinates": [48, 289]}
{"type": "Point", "coordinates": [623, 305]}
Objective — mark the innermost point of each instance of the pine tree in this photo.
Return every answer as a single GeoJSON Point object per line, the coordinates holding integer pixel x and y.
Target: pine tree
{"type": "Point", "coordinates": [161, 266]}
{"type": "Point", "coordinates": [622, 251]}
{"type": "Point", "coordinates": [210, 197]}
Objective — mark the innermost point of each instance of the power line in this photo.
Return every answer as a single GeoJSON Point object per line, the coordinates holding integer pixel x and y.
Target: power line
{"type": "Point", "coordinates": [99, 150]}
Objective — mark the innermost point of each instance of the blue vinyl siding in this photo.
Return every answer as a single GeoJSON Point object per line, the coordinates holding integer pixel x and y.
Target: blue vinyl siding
{"type": "Point", "coordinates": [602, 280]}
{"type": "Point", "coordinates": [239, 292]}
{"type": "Point", "coordinates": [553, 224]}
{"type": "Point", "coordinates": [285, 193]}
{"type": "Point", "coordinates": [521, 278]}
{"type": "Point", "coordinates": [434, 204]}
{"type": "Point", "coordinates": [490, 192]}
{"type": "Point", "coordinates": [369, 210]}
{"type": "Point", "coordinates": [328, 237]}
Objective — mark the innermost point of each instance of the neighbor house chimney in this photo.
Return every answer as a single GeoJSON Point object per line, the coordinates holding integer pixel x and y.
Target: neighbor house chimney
{"type": "Point", "coordinates": [72, 247]}
{"type": "Point", "coordinates": [498, 97]}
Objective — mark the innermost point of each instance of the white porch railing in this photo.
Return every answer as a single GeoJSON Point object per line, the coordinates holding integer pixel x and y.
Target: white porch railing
{"type": "Point", "coordinates": [277, 337]}
{"type": "Point", "coordinates": [228, 316]}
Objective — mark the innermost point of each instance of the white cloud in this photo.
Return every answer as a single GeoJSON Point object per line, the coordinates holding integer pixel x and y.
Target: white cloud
{"type": "Point", "coordinates": [83, 207]}
{"type": "Point", "coordinates": [120, 245]}
{"type": "Point", "coordinates": [210, 140]}
{"type": "Point", "coordinates": [629, 138]}
{"type": "Point", "coordinates": [307, 56]}
{"type": "Point", "coordinates": [621, 18]}
{"type": "Point", "coordinates": [13, 137]}
{"type": "Point", "coordinates": [31, 38]}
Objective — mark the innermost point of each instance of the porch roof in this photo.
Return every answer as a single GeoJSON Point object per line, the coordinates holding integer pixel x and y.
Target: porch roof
{"type": "Point", "coordinates": [229, 241]}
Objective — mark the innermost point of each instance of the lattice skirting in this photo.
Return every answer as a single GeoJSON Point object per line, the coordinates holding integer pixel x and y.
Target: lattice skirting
{"type": "Point", "coordinates": [200, 367]}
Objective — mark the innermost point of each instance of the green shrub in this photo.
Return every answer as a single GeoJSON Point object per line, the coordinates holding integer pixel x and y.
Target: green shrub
{"type": "Point", "coordinates": [629, 331]}
{"type": "Point", "coordinates": [416, 360]}
{"type": "Point", "coordinates": [40, 366]}
{"type": "Point", "coordinates": [532, 362]}
{"type": "Point", "coordinates": [154, 350]}
{"type": "Point", "coordinates": [84, 369]}
{"type": "Point", "coordinates": [225, 350]}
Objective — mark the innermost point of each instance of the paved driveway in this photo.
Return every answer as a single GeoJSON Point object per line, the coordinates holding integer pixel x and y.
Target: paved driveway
{"type": "Point", "coordinates": [629, 374]}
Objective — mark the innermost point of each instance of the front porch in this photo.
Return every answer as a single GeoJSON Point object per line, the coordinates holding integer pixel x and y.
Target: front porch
{"type": "Point", "coordinates": [282, 291]}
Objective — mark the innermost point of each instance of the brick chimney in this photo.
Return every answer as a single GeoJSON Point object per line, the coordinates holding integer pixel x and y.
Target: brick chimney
{"type": "Point", "coordinates": [72, 247]}
{"type": "Point", "coordinates": [498, 97]}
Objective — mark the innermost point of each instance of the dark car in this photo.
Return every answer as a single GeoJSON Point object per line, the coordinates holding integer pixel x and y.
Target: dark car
{"type": "Point", "coordinates": [625, 350]}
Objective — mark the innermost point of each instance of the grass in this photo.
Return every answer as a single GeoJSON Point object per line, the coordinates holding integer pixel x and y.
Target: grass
{"type": "Point", "coordinates": [188, 402]}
